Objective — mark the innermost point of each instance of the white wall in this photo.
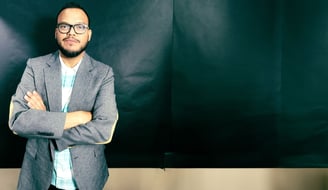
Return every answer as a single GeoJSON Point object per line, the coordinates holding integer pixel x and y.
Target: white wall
{"type": "Point", "coordinates": [202, 179]}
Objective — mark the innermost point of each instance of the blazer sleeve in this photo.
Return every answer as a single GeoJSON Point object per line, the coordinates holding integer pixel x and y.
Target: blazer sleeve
{"type": "Point", "coordinates": [105, 115]}
{"type": "Point", "coordinates": [31, 123]}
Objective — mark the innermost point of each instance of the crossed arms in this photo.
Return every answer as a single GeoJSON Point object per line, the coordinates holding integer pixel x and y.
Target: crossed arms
{"type": "Point", "coordinates": [92, 118]}
{"type": "Point", "coordinates": [73, 119]}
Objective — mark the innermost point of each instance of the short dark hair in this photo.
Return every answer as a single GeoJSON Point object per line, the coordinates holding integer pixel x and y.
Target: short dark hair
{"type": "Point", "coordinates": [73, 5]}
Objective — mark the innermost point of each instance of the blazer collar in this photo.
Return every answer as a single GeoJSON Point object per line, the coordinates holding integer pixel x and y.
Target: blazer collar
{"type": "Point", "coordinates": [83, 79]}
{"type": "Point", "coordinates": [52, 77]}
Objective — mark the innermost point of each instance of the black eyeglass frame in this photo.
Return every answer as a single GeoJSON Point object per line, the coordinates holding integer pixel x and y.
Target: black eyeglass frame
{"type": "Point", "coordinates": [86, 27]}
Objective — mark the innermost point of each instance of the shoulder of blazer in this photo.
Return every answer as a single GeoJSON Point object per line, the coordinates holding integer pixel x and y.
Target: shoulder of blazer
{"type": "Point", "coordinates": [43, 61]}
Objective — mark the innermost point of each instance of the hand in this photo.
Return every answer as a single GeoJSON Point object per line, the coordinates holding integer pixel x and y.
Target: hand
{"type": "Point", "coordinates": [34, 101]}
{"type": "Point", "coordinates": [76, 118]}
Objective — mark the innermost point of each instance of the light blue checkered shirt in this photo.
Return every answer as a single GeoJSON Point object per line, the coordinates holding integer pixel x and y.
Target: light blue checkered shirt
{"type": "Point", "coordinates": [63, 177]}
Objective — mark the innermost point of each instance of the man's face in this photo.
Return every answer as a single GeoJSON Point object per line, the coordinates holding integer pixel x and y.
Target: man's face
{"type": "Point", "coordinates": [72, 44]}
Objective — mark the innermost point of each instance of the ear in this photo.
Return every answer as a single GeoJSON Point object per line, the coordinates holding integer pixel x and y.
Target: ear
{"type": "Point", "coordinates": [90, 34]}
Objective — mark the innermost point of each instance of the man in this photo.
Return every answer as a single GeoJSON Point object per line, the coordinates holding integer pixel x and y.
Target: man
{"type": "Point", "coordinates": [65, 106]}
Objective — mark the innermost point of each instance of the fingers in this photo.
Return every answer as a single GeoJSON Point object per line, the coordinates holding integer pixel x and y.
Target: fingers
{"type": "Point", "coordinates": [34, 100]}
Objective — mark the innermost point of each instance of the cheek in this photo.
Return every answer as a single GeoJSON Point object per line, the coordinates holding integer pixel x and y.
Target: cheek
{"type": "Point", "coordinates": [85, 40]}
{"type": "Point", "coordinates": [59, 40]}
{"type": "Point", "coordinates": [59, 37]}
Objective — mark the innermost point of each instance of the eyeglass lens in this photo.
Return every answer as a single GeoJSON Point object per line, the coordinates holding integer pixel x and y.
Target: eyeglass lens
{"type": "Point", "coordinates": [78, 28]}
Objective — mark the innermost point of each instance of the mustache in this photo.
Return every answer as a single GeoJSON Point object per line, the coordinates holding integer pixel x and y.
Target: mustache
{"type": "Point", "coordinates": [71, 38]}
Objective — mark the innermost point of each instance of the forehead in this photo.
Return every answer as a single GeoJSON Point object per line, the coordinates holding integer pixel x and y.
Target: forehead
{"type": "Point", "coordinates": [72, 15]}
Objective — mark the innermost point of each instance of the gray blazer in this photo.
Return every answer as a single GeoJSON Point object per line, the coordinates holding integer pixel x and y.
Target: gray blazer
{"type": "Point", "coordinates": [93, 91]}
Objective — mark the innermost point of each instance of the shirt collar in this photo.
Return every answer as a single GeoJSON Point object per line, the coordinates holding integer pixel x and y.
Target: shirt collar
{"type": "Point", "coordinates": [65, 67]}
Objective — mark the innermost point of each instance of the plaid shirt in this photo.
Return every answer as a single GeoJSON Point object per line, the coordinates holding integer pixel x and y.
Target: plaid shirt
{"type": "Point", "coordinates": [63, 176]}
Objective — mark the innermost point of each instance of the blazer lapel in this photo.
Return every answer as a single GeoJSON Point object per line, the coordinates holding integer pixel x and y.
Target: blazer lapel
{"type": "Point", "coordinates": [80, 88]}
{"type": "Point", "coordinates": [52, 75]}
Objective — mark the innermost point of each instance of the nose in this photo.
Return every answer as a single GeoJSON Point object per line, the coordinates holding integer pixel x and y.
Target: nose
{"type": "Point", "coordinates": [71, 31]}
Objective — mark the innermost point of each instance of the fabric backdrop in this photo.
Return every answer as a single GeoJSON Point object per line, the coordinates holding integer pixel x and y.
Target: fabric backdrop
{"type": "Point", "coordinates": [199, 83]}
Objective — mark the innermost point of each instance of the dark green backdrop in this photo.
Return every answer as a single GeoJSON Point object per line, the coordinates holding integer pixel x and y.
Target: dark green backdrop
{"type": "Point", "coordinates": [199, 83]}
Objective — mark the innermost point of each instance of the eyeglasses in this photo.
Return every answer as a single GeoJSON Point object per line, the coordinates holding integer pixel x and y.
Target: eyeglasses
{"type": "Point", "coordinates": [65, 28]}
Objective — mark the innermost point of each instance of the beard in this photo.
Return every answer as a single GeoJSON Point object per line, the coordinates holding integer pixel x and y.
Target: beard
{"type": "Point", "coordinates": [71, 54]}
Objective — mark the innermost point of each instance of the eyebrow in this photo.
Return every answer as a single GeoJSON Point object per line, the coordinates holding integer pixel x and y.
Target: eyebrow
{"type": "Point", "coordinates": [72, 24]}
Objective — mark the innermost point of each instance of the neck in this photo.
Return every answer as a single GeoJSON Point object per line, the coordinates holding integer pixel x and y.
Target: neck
{"type": "Point", "coordinates": [71, 61]}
